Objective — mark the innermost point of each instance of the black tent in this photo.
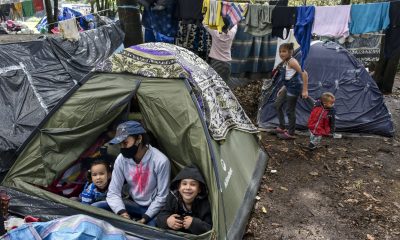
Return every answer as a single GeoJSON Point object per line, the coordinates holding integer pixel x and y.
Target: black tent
{"type": "Point", "coordinates": [35, 75]}
{"type": "Point", "coordinates": [360, 106]}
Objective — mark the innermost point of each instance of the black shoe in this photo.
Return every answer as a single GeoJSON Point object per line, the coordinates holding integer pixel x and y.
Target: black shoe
{"type": "Point", "coordinates": [311, 147]}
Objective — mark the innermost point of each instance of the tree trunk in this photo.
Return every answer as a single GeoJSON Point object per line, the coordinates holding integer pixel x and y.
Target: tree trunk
{"type": "Point", "coordinates": [92, 6]}
{"type": "Point", "coordinates": [385, 70]}
{"type": "Point", "coordinates": [102, 5]}
{"type": "Point", "coordinates": [98, 5]}
{"type": "Point", "coordinates": [107, 6]}
{"type": "Point", "coordinates": [55, 13]}
{"type": "Point", "coordinates": [130, 22]}
{"type": "Point", "coordinates": [49, 15]}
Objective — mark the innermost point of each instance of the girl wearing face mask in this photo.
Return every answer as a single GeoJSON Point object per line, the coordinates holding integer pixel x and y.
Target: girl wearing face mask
{"type": "Point", "coordinates": [146, 171]}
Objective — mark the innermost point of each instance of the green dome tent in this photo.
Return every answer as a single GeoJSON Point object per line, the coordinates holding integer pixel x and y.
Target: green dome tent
{"type": "Point", "coordinates": [187, 107]}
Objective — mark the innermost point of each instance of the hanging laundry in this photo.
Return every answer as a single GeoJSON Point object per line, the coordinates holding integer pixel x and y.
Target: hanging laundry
{"type": "Point", "coordinates": [283, 17]}
{"type": "Point", "coordinates": [288, 38]}
{"type": "Point", "coordinates": [332, 21]}
{"type": "Point", "coordinates": [5, 9]}
{"type": "Point", "coordinates": [303, 28]}
{"type": "Point", "coordinates": [371, 17]}
{"type": "Point", "coordinates": [69, 29]}
{"type": "Point", "coordinates": [27, 8]}
{"type": "Point", "coordinates": [392, 37]}
{"type": "Point", "coordinates": [17, 10]}
{"type": "Point", "coordinates": [252, 54]}
{"type": "Point", "coordinates": [233, 13]}
{"type": "Point", "coordinates": [161, 21]}
{"type": "Point", "coordinates": [212, 14]}
{"type": "Point", "coordinates": [152, 36]}
{"type": "Point", "coordinates": [38, 5]}
{"type": "Point", "coordinates": [194, 38]}
{"type": "Point", "coordinates": [156, 5]}
{"type": "Point", "coordinates": [259, 19]}
{"type": "Point", "coordinates": [190, 11]}
{"type": "Point", "coordinates": [149, 35]}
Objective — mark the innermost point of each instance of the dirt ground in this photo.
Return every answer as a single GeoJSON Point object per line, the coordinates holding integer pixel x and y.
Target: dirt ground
{"type": "Point", "coordinates": [347, 189]}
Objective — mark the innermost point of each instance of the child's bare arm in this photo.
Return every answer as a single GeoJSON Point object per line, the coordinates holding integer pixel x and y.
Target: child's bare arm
{"type": "Point", "coordinates": [304, 75]}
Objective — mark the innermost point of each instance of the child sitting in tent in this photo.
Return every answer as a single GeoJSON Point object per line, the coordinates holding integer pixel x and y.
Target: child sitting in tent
{"type": "Point", "coordinates": [187, 208]}
{"type": "Point", "coordinates": [322, 119]}
{"type": "Point", "coordinates": [99, 176]}
{"type": "Point", "coordinates": [289, 93]}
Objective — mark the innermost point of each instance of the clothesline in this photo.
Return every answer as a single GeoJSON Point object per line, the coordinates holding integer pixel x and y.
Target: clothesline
{"type": "Point", "coordinates": [130, 6]}
{"type": "Point", "coordinates": [96, 13]}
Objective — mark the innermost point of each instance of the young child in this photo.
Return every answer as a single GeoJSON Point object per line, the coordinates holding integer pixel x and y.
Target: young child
{"type": "Point", "coordinates": [99, 176]}
{"type": "Point", "coordinates": [187, 208]}
{"type": "Point", "coordinates": [292, 89]}
{"type": "Point", "coordinates": [322, 119]}
{"type": "Point", "coordinates": [220, 54]}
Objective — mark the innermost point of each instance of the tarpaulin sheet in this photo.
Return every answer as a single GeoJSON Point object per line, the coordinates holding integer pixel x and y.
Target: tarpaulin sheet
{"type": "Point", "coordinates": [35, 75]}
{"type": "Point", "coordinates": [359, 105]}
{"type": "Point", "coordinates": [22, 204]}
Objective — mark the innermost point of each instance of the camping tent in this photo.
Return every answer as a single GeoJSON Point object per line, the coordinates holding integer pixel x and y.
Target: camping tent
{"type": "Point", "coordinates": [359, 103]}
{"type": "Point", "coordinates": [35, 75]}
{"type": "Point", "coordinates": [177, 93]}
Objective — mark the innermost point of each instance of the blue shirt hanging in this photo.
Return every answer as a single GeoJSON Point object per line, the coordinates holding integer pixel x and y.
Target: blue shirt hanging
{"type": "Point", "coordinates": [161, 21]}
{"type": "Point", "coordinates": [303, 28]}
{"type": "Point", "coordinates": [371, 17]}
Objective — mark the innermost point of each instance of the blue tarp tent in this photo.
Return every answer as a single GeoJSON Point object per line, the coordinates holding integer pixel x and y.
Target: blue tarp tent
{"type": "Point", "coordinates": [360, 107]}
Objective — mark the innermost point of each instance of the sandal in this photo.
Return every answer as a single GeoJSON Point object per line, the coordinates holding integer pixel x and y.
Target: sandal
{"type": "Point", "coordinates": [286, 136]}
{"type": "Point", "coordinates": [279, 130]}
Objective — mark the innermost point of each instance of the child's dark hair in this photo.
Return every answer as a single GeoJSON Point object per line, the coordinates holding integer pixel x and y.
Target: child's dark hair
{"type": "Point", "coordinates": [288, 46]}
{"type": "Point", "coordinates": [98, 161]}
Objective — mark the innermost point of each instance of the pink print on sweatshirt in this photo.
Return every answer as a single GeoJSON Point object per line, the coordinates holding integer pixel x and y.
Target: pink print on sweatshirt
{"type": "Point", "coordinates": [140, 176]}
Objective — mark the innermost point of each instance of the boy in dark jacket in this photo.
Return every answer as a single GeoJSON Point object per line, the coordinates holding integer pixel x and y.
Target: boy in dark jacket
{"type": "Point", "coordinates": [322, 119]}
{"type": "Point", "coordinates": [187, 208]}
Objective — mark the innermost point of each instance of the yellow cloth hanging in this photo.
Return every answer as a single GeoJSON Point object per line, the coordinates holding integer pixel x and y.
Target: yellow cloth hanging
{"type": "Point", "coordinates": [18, 9]}
{"type": "Point", "coordinates": [212, 14]}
